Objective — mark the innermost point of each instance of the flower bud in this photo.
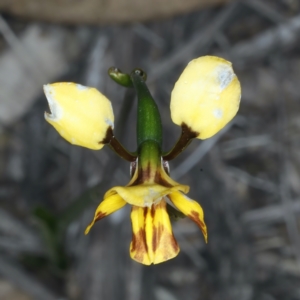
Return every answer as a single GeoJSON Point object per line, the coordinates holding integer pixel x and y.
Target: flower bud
{"type": "Point", "coordinates": [80, 114]}
{"type": "Point", "coordinates": [206, 96]}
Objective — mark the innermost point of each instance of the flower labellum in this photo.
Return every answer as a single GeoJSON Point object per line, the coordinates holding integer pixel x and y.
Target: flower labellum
{"type": "Point", "coordinates": [206, 96]}
{"type": "Point", "coordinates": [80, 114]}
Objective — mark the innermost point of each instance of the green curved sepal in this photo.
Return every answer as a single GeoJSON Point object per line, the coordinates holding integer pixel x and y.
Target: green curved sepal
{"type": "Point", "coordinates": [120, 78]}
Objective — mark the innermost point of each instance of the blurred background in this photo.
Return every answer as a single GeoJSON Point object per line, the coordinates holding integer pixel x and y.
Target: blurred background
{"type": "Point", "coordinates": [246, 177]}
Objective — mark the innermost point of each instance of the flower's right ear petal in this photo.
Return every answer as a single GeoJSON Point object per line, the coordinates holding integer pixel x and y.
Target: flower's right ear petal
{"type": "Point", "coordinates": [80, 114]}
{"type": "Point", "coordinates": [206, 96]}
{"type": "Point", "coordinates": [191, 209]}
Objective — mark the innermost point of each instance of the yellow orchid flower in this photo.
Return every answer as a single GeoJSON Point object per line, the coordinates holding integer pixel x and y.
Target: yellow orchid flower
{"type": "Point", "coordinates": [205, 98]}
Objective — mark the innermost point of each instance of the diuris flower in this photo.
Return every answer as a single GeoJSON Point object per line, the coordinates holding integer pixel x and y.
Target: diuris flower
{"type": "Point", "coordinates": [205, 98]}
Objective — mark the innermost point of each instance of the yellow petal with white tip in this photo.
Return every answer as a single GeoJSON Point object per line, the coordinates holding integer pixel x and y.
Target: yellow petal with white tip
{"type": "Point", "coordinates": [206, 96]}
{"type": "Point", "coordinates": [80, 114]}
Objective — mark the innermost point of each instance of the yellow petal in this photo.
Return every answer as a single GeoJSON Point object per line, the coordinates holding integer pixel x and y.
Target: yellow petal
{"type": "Point", "coordinates": [144, 194]}
{"type": "Point", "coordinates": [105, 208]}
{"type": "Point", "coordinates": [153, 240]}
{"type": "Point", "coordinates": [138, 245]}
{"type": "Point", "coordinates": [80, 114]}
{"type": "Point", "coordinates": [191, 209]}
{"type": "Point", "coordinates": [164, 245]}
{"type": "Point", "coordinates": [206, 96]}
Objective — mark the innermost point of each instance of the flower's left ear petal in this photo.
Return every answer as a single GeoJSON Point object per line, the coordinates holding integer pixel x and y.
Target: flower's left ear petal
{"type": "Point", "coordinates": [191, 209]}
{"type": "Point", "coordinates": [206, 96]}
{"type": "Point", "coordinates": [106, 207]}
{"type": "Point", "coordinates": [80, 114]}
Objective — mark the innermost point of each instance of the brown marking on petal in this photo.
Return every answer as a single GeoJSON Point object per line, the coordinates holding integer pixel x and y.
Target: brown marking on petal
{"type": "Point", "coordinates": [100, 215]}
{"type": "Point", "coordinates": [133, 243]}
{"type": "Point", "coordinates": [154, 239]}
{"type": "Point", "coordinates": [153, 207]}
{"type": "Point", "coordinates": [109, 135]}
{"type": "Point", "coordinates": [143, 175]}
{"type": "Point", "coordinates": [194, 215]}
{"type": "Point", "coordinates": [187, 130]}
{"type": "Point", "coordinates": [145, 213]}
{"type": "Point", "coordinates": [158, 232]}
{"type": "Point", "coordinates": [174, 243]}
{"type": "Point", "coordinates": [141, 234]}
{"type": "Point", "coordinates": [139, 245]}
{"type": "Point", "coordinates": [164, 246]}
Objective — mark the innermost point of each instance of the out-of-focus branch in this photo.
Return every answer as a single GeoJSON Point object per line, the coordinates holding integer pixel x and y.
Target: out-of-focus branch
{"type": "Point", "coordinates": [101, 11]}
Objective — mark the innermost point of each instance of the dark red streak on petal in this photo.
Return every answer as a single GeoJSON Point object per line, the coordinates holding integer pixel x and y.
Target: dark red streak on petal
{"type": "Point", "coordinates": [160, 231]}
{"type": "Point", "coordinates": [139, 239]}
{"type": "Point", "coordinates": [153, 207]}
{"type": "Point", "coordinates": [143, 175]}
{"type": "Point", "coordinates": [194, 215]}
{"type": "Point", "coordinates": [139, 245]}
{"type": "Point", "coordinates": [174, 243]}
{"type": "Point", "coordinates": [100, 215]}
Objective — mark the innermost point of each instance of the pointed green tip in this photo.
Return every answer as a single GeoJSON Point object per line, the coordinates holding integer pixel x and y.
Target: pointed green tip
{"type": "Point", "coordinates": [120, 78]}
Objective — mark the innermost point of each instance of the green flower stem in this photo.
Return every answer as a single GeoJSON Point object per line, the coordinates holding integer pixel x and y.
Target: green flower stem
{"type": "Point", "coordinates": [149, 155]}
{"type": "Point", "coordinates": [148, 118]}
{"type": "Point", "coordinates": [149, 161]}
{"type": "Point", "coordinates": [185, 139]}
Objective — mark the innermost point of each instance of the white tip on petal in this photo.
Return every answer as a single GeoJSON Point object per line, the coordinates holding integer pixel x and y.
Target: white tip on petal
{"type": "Point", "coordinates": [225, 76]}
{"type": "Point", "coordinates": [81, 87]}
{"type": "Point", "coordinates": [56, 111]}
